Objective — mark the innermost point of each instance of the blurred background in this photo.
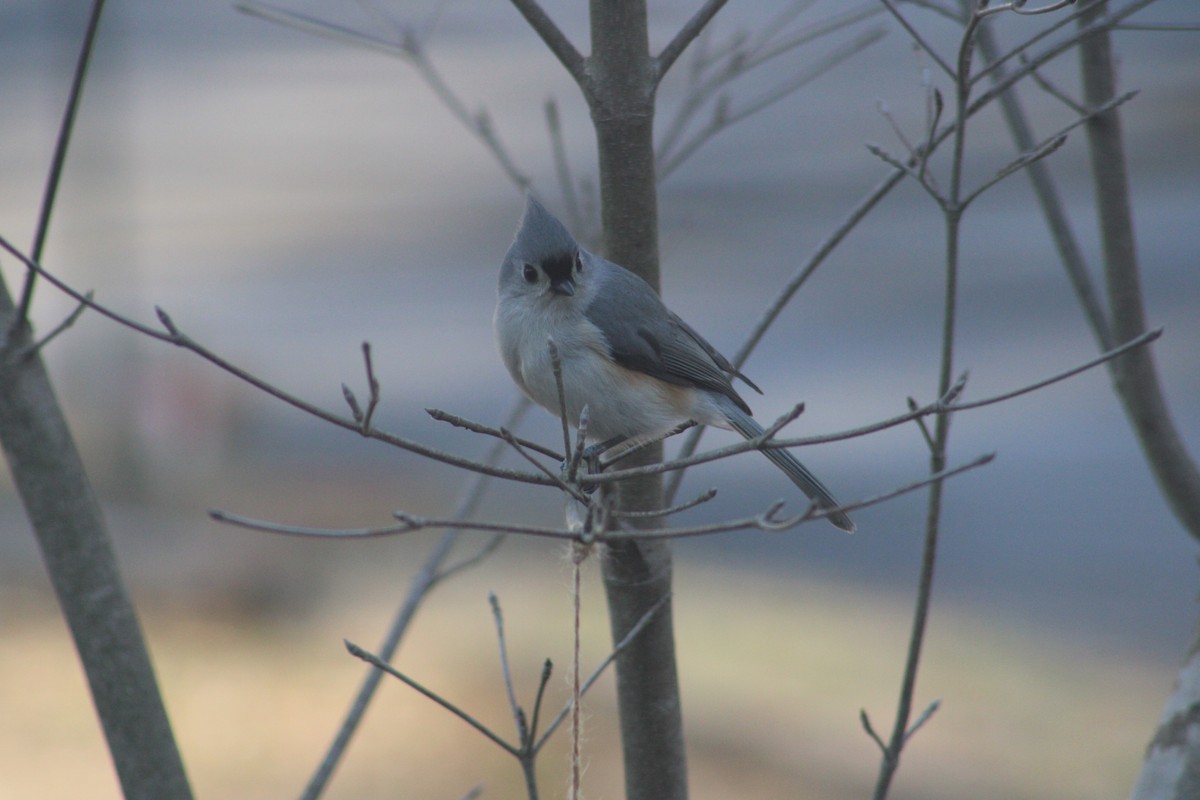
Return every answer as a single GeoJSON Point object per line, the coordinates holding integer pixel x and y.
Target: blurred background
{"type": "Point", "coordinates": [286, 197]}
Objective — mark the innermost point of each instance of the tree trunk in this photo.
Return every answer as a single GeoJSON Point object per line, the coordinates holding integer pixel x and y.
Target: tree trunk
{"type": "Point", "coordinates": [66, 519]}
{"type": "Point", "coordinates": [636, 575]}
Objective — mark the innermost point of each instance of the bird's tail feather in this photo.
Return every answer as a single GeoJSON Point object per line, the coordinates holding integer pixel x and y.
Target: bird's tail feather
{"type": "Point", "coordinates": [808, 483]}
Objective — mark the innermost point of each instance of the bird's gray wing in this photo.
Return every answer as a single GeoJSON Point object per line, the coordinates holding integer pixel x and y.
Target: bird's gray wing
{"type": "Point", "coordinates": [643, 335]}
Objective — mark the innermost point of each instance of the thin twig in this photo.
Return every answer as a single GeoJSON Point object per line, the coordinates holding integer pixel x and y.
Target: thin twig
{"type": "Point", "coordinates": [1140, 341]}
{"type": "Point", "coordinates": [173, 335]}
{"type": "Point", "coordinates": [704, 497]}
{"type": "Point", "coordinates": [518, 713]}
{"type": "Point", "coordinates": [740, 55]}
{"type": "Point", "coordinates": [1002, 84]}
{"type": "Point", "coordinates": [54, 177]}
{"type": "Point", "coordinates": [543, 682]}
{"type": "Point", "coordinates": [1048, 146]}
{"type": "Point", "coordinates": [428, 576]}
{"type": "Point", "coordinates": [373, 386]}
{"type": "Point", "coordinates": [685, 36]}
{"type": "Point", "coordinates": [490, 546]}
{"type": "Point", "coordinates": [913, 170]}
{"type": "Point", "coordinates": [1049, 88]}
{"type": "Point", "coordinates": [409, 47]}
{"type": "Point", "coordinates": [723, 117]}
{"type": "Point", "coordinates": [626, 640]}
{"type": "Point", "coordinates": [1053, 209]}
{"type": "Point", "coordinates": [1020, 162]}
{"type": "Point", "coordinates": [1082, 9]}
{"type": "Point", "coordinates": [556, 368]}
{"type": "Point", "coordinates": [918, 38]}
{"type": "Point", "coordinates": [554, 39]}
{"type": "Point", "coordinates": [378, 663]}
{"type": "Point", "coordinates": [624, 451]}
{"type": "Point", "coordinates": [569, 488]}
{"type": "Point", "coordinates": [479, 427]}
{"type": "Point", "coordinates": [768, 520]}
{"type": "Point", "coordinates": [33, 349]}
{"type": "Point", "coordinates": [562, 167]}
{"type": "Point", "coordinates": [929, 711]}
{"type": "Point", "coordinates": [580, 440]}
{"type": "Point", "coordinates": [920, 421]}
{"type": "Point", "coordinates": [866, 723]}
{"type": "Point", "coordinates": [1019, 7]}
{"type": "Point", "coordinates": [952, 211]}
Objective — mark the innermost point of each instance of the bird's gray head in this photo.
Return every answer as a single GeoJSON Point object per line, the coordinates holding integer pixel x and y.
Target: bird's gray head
{"type": "Point", "coordinates": [544, 260]}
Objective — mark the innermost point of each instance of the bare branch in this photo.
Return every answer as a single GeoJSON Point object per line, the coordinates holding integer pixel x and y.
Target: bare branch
{"type": "Point", "coordinates": [555, 39]}
{"type": "Point", "coordinates": [1018, 7]}
{"type": "Point", "coordinates": [692, 29]}
{"type": "Point", "coordinates": [408, 46]}
{"type": "Point", "coordinates": [1049, 88]}
{"type": "Point", "coordinates": [580, 439]}
{"type": "Point", "coordinates": [1055, 49]}
{"type": "Point", "coordinates": [740, 55]}
{"type": "Point", "coordinates": [352, 401]}
{"type": "Point", "coordinates": [1002, 84]}
{"type": "Point", "coordinates": [616, 651]}
{"type": "Point", "coordinates": [1069, 251]}
{"type": "Point", "coordinates": [57, 161]}
{"type": "Point", "coordinates": [175, 337]}
{"type": "Point", "coordinates": [547, 669]}
{"type": "Point", "coordinates": [909, 169]}
{"type": "Point", "coordinates": [489, 547]}
{"type": "Point", "coordinates": [1020, 162]}
{"type": "Point", "coordinates": [918, 38]}
{"type": "Point", "coordinates": [704, 497]}
{"type": "Point", "coordinates": [925, 434]}
{"type": "Point", "coordinates": [1140, 341]}
{"type": "Point", "coordinates": [723, 117]}
{"type": "Point", "coordinates": [626, 451]}
{"type": "Point", "coordinates": [866, 723]}
{"type": "Point", "coordinates": [562, 167]}
{"type": "Point", "coordinates": [376, 662]}
{"type": "Point", "coordinates": [569, 487]}
{"type": "Point", "coordinates": [373, 385]}
{"type": "Point", "coordinates": [929, 711]}
{"type": "Point", "coordinates": [556, 368]}
{"type": "Point", "coordinates": [478, 427]}
{"type": "Point", "coordinates": [1048, 146]}
{"type": "Point", "coordinates": [768, 520]}
{"type": "Point", "coordinates": [36, 347]}
{"type": "Point", "coordinates": [428, 576]}
{"type": "Point", "coordinates": [518, 713]}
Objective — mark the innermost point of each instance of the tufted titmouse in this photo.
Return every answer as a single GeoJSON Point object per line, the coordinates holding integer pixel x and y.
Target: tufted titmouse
{"type": "Point", "coordinates": [639, 368]}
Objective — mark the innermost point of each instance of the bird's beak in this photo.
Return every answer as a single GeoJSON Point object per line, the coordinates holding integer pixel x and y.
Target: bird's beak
{"type": "Point", "coordinates": [564, 287]}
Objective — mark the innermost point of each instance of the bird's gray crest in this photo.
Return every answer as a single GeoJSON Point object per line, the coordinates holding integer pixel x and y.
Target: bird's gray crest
{"type": "Point", "coordinates": [541, 237]}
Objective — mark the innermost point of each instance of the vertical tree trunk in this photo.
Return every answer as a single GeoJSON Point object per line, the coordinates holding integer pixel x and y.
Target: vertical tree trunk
{"type": "Point", "coordinates": [79, 559]}
{"type": "Point", "coordinates": [636, 575]}
{"type": "Point", "coordinates": [1134, 373]}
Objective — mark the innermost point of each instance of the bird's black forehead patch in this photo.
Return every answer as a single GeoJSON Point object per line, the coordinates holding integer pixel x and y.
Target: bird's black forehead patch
{"type": "Point", "coordinates": [559, 266]}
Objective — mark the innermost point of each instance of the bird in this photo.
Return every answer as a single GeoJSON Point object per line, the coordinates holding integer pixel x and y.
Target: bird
{"type": "Point", "coordinates": [637, 366]}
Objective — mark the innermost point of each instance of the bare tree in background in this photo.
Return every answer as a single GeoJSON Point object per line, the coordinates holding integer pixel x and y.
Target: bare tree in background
{"type": "Point", "coordinates": [619, 80]}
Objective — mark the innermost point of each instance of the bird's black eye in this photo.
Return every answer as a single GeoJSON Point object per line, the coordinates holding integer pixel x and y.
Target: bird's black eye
{"type": "Point", "coordinates": [578, 262]}
{"type": "Point", "coordinates": [530, 273]}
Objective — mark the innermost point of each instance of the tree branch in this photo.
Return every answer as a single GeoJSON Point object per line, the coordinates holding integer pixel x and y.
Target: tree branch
{"type": "Point", "coordinates": [554, 39]}
{"type": "Point", "coordinates": [685, 36]}
{"type": "Point", "coordinates": [57, 162]}
{"type": "Point", "coordinates": [175, 336]}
